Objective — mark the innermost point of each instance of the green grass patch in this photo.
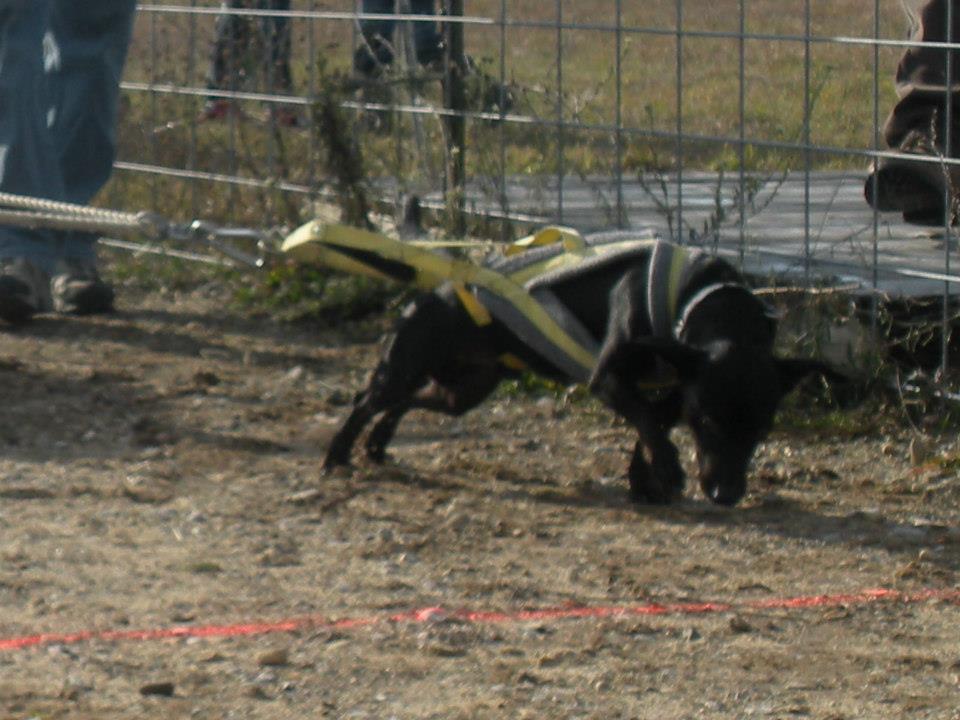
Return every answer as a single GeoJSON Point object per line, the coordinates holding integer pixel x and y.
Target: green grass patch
{"type": "Point", "coordinates": [290, 292]}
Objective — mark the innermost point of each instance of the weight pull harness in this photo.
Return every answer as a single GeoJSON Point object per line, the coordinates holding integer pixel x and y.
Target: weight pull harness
{"type": "Point", "coordinates": [513, 286]}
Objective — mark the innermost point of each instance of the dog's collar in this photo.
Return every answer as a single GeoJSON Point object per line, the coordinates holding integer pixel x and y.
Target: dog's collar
{"type": "Point", "coordinates": [695, 300]}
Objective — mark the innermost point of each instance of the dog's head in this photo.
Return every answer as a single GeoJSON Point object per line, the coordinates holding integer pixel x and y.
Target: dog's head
{"type": "Point", "coordinates": [730, 395]}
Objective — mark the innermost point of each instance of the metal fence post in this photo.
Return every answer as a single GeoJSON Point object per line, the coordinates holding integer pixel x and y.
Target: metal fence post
{"type": "Point", "coordinates": [454, 100]}
{"type": "Point", "coordinates": [949, 153]}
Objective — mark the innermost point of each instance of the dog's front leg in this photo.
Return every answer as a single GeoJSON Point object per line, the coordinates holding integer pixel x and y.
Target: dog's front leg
{"type": "Point", "coordinates": [465, 386]}
{"type": "Point", "coordinates": [338, 453]}
{"type": "Point", "coordinates": [655, 476]}
{"type": "Point", "coordinates": [654, 473]}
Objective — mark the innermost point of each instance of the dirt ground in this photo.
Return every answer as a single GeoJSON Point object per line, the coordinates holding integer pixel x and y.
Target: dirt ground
{"type": "Point", "coordinates": [160, 468]}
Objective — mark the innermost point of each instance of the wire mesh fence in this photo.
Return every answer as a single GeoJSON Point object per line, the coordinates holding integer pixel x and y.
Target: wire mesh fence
{"type": "Point", "coordinates": [746, 126]}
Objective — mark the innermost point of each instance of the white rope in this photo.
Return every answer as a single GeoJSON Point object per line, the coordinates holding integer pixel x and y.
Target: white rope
{"type": "Point", "coordinates": [33, 213]}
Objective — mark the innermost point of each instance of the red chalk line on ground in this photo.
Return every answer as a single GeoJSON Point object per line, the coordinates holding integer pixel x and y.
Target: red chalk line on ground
{"type": "Point", "coordinates": [428, 614]}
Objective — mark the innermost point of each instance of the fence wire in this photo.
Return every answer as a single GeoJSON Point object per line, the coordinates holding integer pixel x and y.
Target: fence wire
{"type": "Point", "coordinates": [743, 126]}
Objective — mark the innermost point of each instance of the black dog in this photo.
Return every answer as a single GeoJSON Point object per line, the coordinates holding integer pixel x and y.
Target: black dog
{"type": "Point", "coordinates": [678, 337]}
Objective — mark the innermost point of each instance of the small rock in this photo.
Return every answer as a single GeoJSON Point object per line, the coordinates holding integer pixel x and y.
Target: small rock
{"type": "Point", "coordinates": [304, 497]}
{"type": "Point", "coordinates": [26, 492]}
{"type": "Point", "coordinates": [256, 692]}
{"type": "Point", "coordinates": [457, 523]}
{"type": "Point", "coordinates": [164, 689]}
{"type": "Point", "coordinates": [205, 567]}
{"type": "Point", "coordinates": [444, 650]}
{"type": "Point", "coordinates": [182, 615]}
{"type": "Point", "coordinates": [276, 657]}
{"type": "Point", "coordinates": [527, 678]}
{"type": "Point", "coordinates": [294, 375]}
{"type": "Point", "coordinates": [909, 533]}
{"type": "Point", "coordinates": [147, 490]}
{"type": "Point", "coordinates": [148, 432]}
{"type": "Point", "coordinates": [205, 378]}
{"type": "Point", "coordinates": [919, 450]}
{"type": "Point", "coordinates": [11, 363]}
{"type": "Point", "coordinates": [385, 536]}
{"type": "Point", "coordinates": [339, 398]}
{"type": "Point", "coordinates": [215, 353]}
{"type": "Point", "coordinates": [266, 677]}
{"type": "Point", "coordinates": [739, 625]}
{"type": "Point", "coordinates": [280, 553]}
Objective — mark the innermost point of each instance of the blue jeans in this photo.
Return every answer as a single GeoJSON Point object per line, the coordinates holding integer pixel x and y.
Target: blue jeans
{"type": "Point", "coordinates": [378, 49]}
{"type": "Point", "coordinates": [60, 68]}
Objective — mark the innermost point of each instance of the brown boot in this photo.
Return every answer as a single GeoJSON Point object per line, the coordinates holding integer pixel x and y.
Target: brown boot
{"type": "Point", "coordinates": [916, 188]}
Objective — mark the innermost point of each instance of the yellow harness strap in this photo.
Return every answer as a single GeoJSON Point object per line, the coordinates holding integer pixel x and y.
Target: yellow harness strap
{"type": "Point", "coordinates": [480, 315]}
{"type": "Point", "coordinates": [366, 253]}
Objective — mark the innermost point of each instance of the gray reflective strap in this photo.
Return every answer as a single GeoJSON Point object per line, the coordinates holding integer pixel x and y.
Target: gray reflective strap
{"type": "Point", "coordinates": [531, 336]}
{"type": "Point", "coordinates": [566, 320]}
{"type": "Point", "coordinates": [660, 294]}
{"type": "Point", "coordinates": [698, 298]}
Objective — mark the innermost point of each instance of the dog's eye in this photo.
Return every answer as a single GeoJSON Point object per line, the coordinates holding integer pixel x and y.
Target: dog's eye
{"type": "Point", "coordinates": [706, 426]}
{"type": "Point", "coordinates": [712, 426]}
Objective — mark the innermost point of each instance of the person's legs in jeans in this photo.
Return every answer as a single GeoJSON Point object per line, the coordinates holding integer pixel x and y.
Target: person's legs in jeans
{"type": "Point", "coordinates": [275, 41]}
{"type": "Point", "coordinates": [917, 125]}
{"type": "Point", "coordinates": [376, 43]}
{"type": "Point", "coordinates": [231, 40]}
{"type": "Point", "coordinates": [426, 36]}
{"type": "Point", "coordinates": [28, 154]}
{"type": "Point", "coordinates": [275, 31]}
{"type": "Point", "coordinates": [377, 48]}
{"type": "Point", "coordinates": [93, 39]}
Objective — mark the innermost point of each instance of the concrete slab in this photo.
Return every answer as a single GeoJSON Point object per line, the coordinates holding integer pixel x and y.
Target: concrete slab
{"type": "Point", "coordinates": [816, 227]}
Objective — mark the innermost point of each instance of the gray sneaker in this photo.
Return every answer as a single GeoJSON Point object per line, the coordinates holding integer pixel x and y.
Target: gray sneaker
{"type": "Point", "coordinates": [24, 290]}
{"type": "Point", "coordinates": [76, 288]}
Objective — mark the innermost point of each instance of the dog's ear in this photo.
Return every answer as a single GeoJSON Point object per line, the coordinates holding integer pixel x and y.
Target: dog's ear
{"type": "Point", "coordinates": [686, 360]}
{"type": "Point", "coordinates": [792, 370]}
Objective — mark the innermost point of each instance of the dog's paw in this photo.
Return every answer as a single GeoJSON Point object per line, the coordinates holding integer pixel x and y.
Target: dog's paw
{"type": "Point", "coordinates": [333, 467]}
{"type": "Point", "coordinates": [377, 454]}
{"type": "Point", "coordinates": [645, 497]}
{"type": "Point", "coordinates": [645, 490]}
{"type": "Point", "coordinates": [660, 484]}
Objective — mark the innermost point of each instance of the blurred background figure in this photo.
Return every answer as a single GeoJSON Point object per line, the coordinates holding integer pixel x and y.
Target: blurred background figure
{"type": "Point", "coordinates": [917, 125]}
{"type": "Point", "coordinates": [245, 46]}
{"type": "Point", "coordinates": [377, 49]}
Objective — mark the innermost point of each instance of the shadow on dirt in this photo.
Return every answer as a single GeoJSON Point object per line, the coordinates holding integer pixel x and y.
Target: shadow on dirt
{"type": "Point", "coordinates": [786, 518]}
{"type": "Point", "coordinates": [127, 329]}
{"type": "Point", "coordinates": [774, 515]}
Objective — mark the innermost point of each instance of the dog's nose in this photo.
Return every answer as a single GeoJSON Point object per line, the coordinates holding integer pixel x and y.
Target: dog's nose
{"type": "Point", "coordinates": [724, 490]}
{"type": "Point", "coordinates": [723, 497]}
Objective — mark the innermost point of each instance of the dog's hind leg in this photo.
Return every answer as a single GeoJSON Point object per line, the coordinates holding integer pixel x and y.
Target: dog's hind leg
{"type": "Point", "coordinates": [390, 390]}
{"type": "Point", "coordinates": [422, 344]}
{"type": "Point", "coordinates": [338, 453]}
{"type": "Point", "coordinates": [474, 385]}
{"type": "Point", "coordinates": [383, 431]}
